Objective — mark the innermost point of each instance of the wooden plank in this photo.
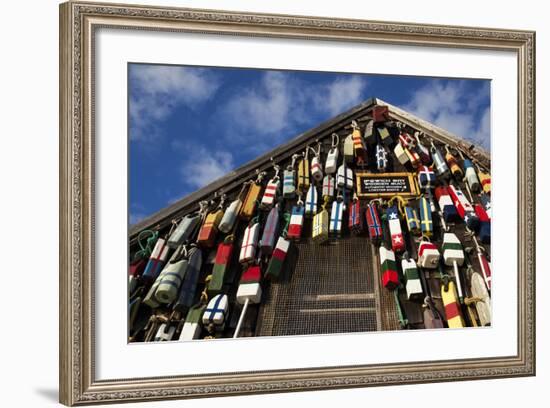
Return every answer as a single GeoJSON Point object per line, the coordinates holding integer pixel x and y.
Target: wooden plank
{"type": "Point", "coordinates": [339, 310]}
{"type": "Point", "coordinates": [340, 296]}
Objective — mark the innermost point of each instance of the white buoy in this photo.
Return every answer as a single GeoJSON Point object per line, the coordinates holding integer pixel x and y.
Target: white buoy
{"type": "Point", "coordinates": [249, 291]}
{"type": "Point", "coordinates": [453, 254]}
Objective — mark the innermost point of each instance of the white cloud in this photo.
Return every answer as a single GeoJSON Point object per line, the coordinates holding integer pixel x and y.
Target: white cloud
{"type": "Point", "coordinates": [455, 108]}
{"type": "Point", "coordinates": [207, 166]}
{"type": "Point", "coordinates": [264, 108]}
{"type": "Point", "coordinates": [280, 102]}
{"type": "Point", "coordinates": [158, 90]}
{"type": "Point", "coordinates": [343, 93]}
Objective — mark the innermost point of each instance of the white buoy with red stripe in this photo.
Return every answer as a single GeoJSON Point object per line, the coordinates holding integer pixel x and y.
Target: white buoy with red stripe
{"type": "Point", "coordinates": [316, 166]}
{"type": "Point", "coordinates": [446, 204]}
{"type": "Point", "coordinates": [428, 255]}
{"type": "Point", "coordinates": [249, 291]}
{"type": "Point", "coordinates": [296, 221]}
{"type": "Point", "coordinates": [463, 207]}
{"type": "Point", "coordinates": [250, 242]}
{"type": "Point", "coordinates": [271, 190]}
{"type": "Point", "coordinates": [156, 261]}
{"type": "Point", "coordinates": [397, 240]}
{"type": "Point", "coordinates": [328, 187]}
{"type": "Point", "coordinates": [406, 140]}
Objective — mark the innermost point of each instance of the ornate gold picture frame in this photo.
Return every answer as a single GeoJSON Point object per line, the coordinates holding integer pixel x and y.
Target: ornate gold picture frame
{"type": "Point", "coordinates": [78, 24]}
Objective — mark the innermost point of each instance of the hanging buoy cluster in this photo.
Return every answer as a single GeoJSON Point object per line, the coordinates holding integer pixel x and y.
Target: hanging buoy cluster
{"type": "Point", "coordinates": [424, 205]}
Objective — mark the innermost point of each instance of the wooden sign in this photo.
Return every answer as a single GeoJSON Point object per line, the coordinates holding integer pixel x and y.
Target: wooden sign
{"type": "Point", "coordinates": [373, 185]}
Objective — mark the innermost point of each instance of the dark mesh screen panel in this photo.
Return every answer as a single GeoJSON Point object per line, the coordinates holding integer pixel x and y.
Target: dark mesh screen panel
{"type": "Point", "coordinates": [328, 288]}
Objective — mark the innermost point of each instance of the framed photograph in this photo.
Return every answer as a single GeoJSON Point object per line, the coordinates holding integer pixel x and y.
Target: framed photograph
{"type": "Point", "coordinates": [262, 203]}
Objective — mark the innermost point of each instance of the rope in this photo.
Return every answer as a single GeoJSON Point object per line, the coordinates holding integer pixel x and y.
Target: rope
{"type": "Point", "coordinates": [146, 250]}
{"type": "Point", "coordinates": [254, 220]}
{"type": "Point", "coordinates": [277, 169]}
{"type": "Point", "coordinates": [401, 203]}
{"type": "Point", "coordinates": [204, 296]}
{"type": "Point", "coordinates": [315, 154]}
{"type": "Point", "coordinates": [222, 201]}
{"type": "Point", "coordinates": [444, 277]}
{"type": "Point", "coordinates": [260, 176]}
{"type": "Point", "coordinates": [326, 200]}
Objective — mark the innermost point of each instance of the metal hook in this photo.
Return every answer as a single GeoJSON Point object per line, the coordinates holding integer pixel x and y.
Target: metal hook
{"type": "Point", "coordinates": [277, 169]}
{"type": "Point", "coordinates": [260, 175]}
{"type": "Point", "coordinates": [335, 140]}
{"type": "Point", "coordinates": [203, 206]}
{"type": "Point", "coordinates": [222, 200]}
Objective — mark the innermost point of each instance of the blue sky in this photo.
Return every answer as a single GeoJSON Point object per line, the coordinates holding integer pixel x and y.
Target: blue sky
{"type": "Point", "coordinates": [191, 125]}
